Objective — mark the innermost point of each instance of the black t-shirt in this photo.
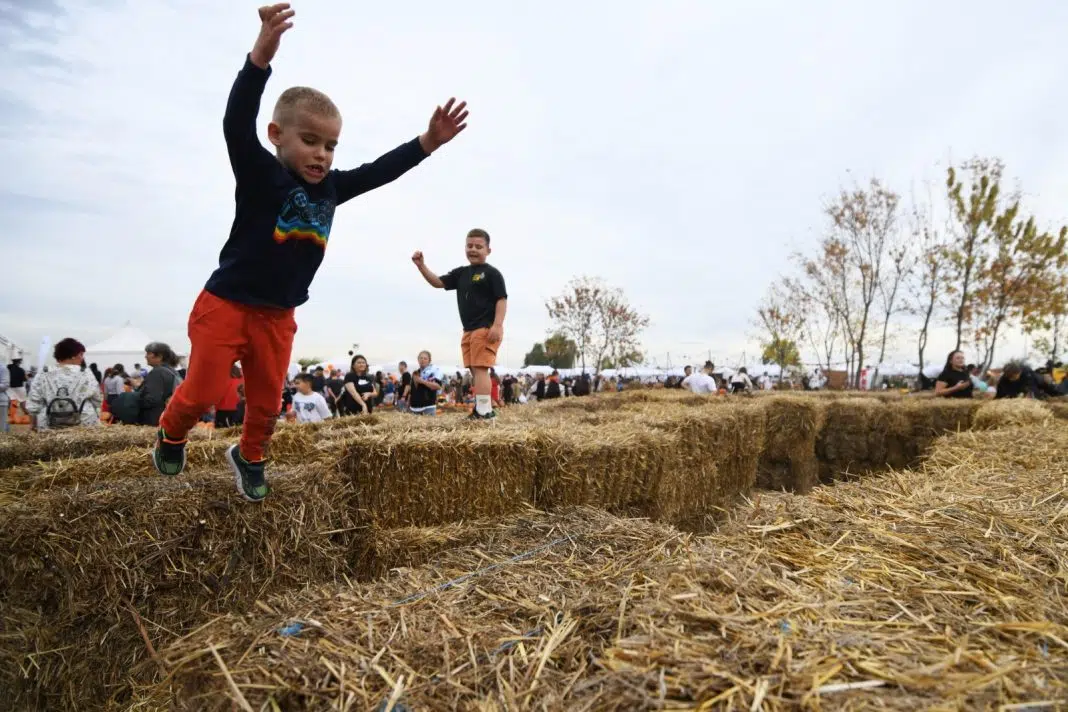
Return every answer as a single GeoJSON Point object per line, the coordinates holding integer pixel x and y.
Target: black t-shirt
{"type": "Point", "coordinates": [335, 386]}
{"type": "Point", "coordinates": [423, 396]}
{"type": "Point", "coordinates": [478, 289]}
{"type": "Point", "coordinates": [952, 377]}
{"type": "Point", "coordinates": [364, 384]}
{"type": "Point", "coordinates": [18, 375]}
{"type": "Point", "coordinates": [1025, 385]}
{"type": "Point", "coordinates": [405, 382]}
{"type": "Point", "coordinates": [318, 383]}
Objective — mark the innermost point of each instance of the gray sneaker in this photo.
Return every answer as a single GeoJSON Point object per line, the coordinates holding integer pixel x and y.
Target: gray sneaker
{"type": "Point", "coordinates": [168, 456]}
{"type": "Point", "coordinates": [248, 476]}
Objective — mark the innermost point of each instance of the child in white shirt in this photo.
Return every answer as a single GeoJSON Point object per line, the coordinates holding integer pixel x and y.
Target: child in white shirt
{"type": "Point", "coordinates": [308, 406]}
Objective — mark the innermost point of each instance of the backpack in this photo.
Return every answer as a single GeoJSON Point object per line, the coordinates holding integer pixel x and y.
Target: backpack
{"type": "Point", "coordinates": [62, 411]}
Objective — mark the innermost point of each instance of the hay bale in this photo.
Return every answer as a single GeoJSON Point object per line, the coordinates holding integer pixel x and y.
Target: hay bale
{"type": "Point", "coordinates": [547, 607]}
{"type": "Point", "coordinates": [789, 458]}
{"type": "Point", "coordinates": [78, 442]}
{"type": "Point", "coordinates": [928, 419]}
{"type": "Point", "coordinates": [173, 550]}
{"type": "Point", "coordinates": [860, 436]}
{"type": "Point", "coordinates": [1059, 408]}
{"type": "Point", "coordinates": [795, 603]}
{"type": "Point", "coordinates": [617, 467]}
{"type": "Point", "coordinates": [1009, 412]}
{"type": "Point", "coordinates": [432, 476]}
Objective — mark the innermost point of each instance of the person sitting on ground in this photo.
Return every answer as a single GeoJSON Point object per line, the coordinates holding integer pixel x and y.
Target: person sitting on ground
{"type": "Point", "coordinates": [1020, 381]}
{"type": "Point", "coordinates": [740, 382]}
{"type": "Point", "coordinates": [309, 406]}
{"type": "Point", "coordinates": [701, 382]}
{"type": "Point", "coordinates": [66, 396]}
{"type": "Point", "coordinates": [426, 383]}
{"type": "Point", "coordinates": [954, 381]}
{"type": "Point", "coordinates": [160, 383]}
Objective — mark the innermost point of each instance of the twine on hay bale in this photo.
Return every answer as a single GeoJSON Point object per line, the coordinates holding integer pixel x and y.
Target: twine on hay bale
{"type": "Point", "coordinates": [430, 476]}
{"type": "Point", "coordinates": [785, 607]}
{"type": "Point", "coordinates": [789, 457]}
{"type": "Point", "coordinates": [1011, 411]}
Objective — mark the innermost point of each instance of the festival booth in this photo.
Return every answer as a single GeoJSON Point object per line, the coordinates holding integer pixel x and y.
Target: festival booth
{"type": "Point", "coordinates": [126, 346]}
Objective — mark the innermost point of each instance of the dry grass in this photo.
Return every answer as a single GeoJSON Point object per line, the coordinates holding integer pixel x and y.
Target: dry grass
{"type": "Point", "coordinates": [941, 588]}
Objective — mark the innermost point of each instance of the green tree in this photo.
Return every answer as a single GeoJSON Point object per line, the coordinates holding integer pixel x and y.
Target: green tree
{"type": "Point", "coordinates": [782, 352]}
{"type": "Point", "coordinates": [309, 362]}
{"type": "Point", "coordinates": [782, 322]}
{"type": "Point", "coordinates": [536, 356]}
{"type": "Point", "coordinates": [632, 358]}
{"type": "Point", "coordinates": [561, 351]}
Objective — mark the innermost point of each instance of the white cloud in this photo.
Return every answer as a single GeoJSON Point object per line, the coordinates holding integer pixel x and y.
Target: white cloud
{"type": "Point", "coordinates": [679, 149]}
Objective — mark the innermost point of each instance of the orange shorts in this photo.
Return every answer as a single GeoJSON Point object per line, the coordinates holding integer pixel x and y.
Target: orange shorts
{"type": "Point", "coordinates": [478, 351]}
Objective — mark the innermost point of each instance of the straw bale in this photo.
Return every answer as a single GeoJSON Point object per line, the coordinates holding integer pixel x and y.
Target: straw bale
{"type": "Point", "coordinates": [543, 594]}
{"type": "Point", "coordinates": [1059, 408]}
{"type": "Point", "coordinates": [860, 436]}
{"type": "Point", "coordinates": [617, 467]}
{"type": "Point", "coordinates": [423, 477]}
{"type": "Point", "coordinates": [928, 419]}
{"type": "Point", "coordinates": [1011, 411]}
{"type": "Point", "coordinates": [789, 457]}
{"type": "Point", "coordinates": [171, 550]}
{"type": "Point", "coordinates": [24, 448]}
{"type": "Point", "coordinates": [938, 588]}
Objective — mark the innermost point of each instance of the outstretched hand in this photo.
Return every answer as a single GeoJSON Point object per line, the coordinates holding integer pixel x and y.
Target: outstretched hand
{"type": "Point", "coordinates": [444, 125]}
{"type": "Point", "coordinates": [274, 21]}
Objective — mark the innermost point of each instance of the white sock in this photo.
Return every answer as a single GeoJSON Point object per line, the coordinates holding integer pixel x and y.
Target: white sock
{"type": "Point", "coordinates": [483, 405]}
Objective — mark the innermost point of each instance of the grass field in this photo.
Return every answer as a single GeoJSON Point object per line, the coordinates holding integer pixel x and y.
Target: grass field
{"type": "Point", "coordinates": [641, 551]}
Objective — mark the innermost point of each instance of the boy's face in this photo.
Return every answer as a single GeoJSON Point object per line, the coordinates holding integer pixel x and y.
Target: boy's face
{"type": "Point", "coordinates": [307, 144]}
{"type": "Point", "coordinates": [477, 250]}
{"type": "Point", "coordinates": [424, 360]}
{"type": "Point", "coordinates": [304, 387]}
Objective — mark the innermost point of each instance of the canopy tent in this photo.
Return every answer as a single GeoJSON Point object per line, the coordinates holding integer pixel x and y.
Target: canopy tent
{"type": "Point", "coordinates": [125, 346]}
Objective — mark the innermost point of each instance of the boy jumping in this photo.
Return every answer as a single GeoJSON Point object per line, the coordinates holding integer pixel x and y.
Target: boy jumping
{"type": "Point", "coordinates": [285, 207]}
{"type": "Point", "coordinates": [483, 301]}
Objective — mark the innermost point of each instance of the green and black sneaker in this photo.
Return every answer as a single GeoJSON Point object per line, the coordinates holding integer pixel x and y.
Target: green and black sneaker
{"type": "Point", "coordinates": [248, 476]}
{"type": "Point", "coordinates": [488, 417]}
{"type": "Point", "coordinates": [169, 455]}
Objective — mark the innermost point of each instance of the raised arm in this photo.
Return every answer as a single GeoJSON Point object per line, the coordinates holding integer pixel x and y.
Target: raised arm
{"type": "Point", "coordinates": [432, 279]}
{"type": "Point", "coordinates": [243, 105]}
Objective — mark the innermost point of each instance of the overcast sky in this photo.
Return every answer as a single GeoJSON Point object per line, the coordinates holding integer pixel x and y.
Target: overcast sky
{"type": "Point", "coordinates": [680, 150]}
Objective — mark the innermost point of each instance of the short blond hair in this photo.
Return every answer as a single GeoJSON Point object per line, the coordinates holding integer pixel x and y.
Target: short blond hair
{"type": "Point", "coordinates": [307, 99]}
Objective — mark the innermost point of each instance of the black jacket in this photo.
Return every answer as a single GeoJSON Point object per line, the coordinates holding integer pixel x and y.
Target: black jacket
{"type": "Point", "coordinates": [159, 386]}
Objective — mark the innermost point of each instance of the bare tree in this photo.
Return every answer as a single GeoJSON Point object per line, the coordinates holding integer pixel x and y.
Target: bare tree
{"type": "Point", "coordinates": [901, 263]}
{"type": "Point", "coordinates": [781, 320]}
{"type": "Point", "coordinates": [599, 320]}
{"type": "Point", "coordinates": [928, 278]}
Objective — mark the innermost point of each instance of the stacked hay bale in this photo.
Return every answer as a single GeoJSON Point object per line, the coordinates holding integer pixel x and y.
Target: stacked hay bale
{"type": "Point", "coordinates": [789, 458]}
{"type": "Point", "coordinates": [1011, 412]}
{"type": "Point", "coordinates": [860, 436]}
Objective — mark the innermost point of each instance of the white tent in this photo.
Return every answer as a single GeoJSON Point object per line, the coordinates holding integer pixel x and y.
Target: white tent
{"type": "Point", "coordinates": [125, 346]}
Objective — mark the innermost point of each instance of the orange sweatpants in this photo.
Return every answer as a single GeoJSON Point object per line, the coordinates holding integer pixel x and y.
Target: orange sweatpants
{"type": "Point", "coordinates": [221, 333]}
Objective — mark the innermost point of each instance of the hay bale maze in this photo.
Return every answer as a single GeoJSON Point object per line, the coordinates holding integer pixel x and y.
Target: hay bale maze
{"type": "Point", "coordinates": [584, 553]}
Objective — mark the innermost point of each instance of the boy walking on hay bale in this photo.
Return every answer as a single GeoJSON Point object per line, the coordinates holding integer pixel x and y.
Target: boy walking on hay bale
{"type": "Point", "coordinates": [285, 207]}
{"type": "Point", "coordinates": [483, 302]}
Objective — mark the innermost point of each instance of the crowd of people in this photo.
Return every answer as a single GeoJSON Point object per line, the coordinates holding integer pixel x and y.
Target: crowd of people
{"type": "Point", "coordinates": [73, 393]}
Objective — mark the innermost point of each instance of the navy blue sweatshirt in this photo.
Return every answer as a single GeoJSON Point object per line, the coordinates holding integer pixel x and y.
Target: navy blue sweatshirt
{"type": "Point", "coordinates": [282, 223]}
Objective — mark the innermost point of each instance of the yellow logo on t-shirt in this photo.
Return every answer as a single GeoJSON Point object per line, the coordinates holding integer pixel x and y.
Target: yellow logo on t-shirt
{"type": "Point", "coordinates": [478, 277]}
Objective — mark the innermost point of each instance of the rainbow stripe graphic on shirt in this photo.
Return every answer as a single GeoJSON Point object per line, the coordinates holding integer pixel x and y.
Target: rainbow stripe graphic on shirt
{"type": "Point", "coordinates": [304, 219]}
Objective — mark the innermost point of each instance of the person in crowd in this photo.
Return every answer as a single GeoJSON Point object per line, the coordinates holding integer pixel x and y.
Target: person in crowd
{"type": "Point", "coordinates": [404, 386]}
{"type": "Point", "coordinates": [426, 384]}
{"type": "Point", "coordinates": [309, 406]}
{"type": "Point", "coordinates": [335, 387]}
{"type": "Point", "coordinates": [67, 396]}
{"type": "Point", "coordinates": [95, 370]}
{"type": "Point", "coordinates": [5, 398]}
{"type": "Point", "coordinates": [113, 385]}
{"type": "Point", "coordinates": [1019, 380]}
{"type": "Point", "coordinates": [701, 382]}
{"type": "Point", "coordinates": [160, 383]}
{"type": "Point", "coordinates": [318, 381]}
{"type": "Point", "coordinates": [359, 394]}
{"type": "Point", "coordinates": [740, 382]}
{"type": "Point", "coordinates": [955, 381]}
{"type": "Point", "coordinates": [18, 380]}
{"type": "Point", "coordinates": [552, 387]}
{"type": "Point", "coordinates": [226, 409]}
{"type": "Point", "coordinates": [380, 388]}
